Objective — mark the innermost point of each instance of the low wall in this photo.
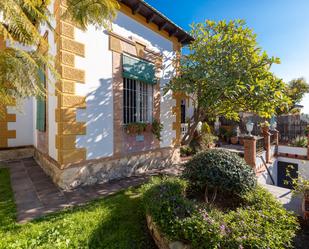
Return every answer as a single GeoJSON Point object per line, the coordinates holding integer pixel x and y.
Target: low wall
{"type": "Point", "coordinates": [18, 153]}
{"type": "Point", "coordinates": [292, 152]}
{"type": "Point", "coordinates": [106, 169]}
{"type": "Point", "coordinates": [161, 241]}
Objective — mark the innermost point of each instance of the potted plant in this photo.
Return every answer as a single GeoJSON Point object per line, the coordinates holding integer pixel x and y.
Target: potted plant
{"type": "Point", "coordinates": [234, 137]}
{"type": "Point", "coordinates": [228, 135]}
{"type": "Point", "coordinates": [265, 126]}
{"type": "Point", "coordinates": [135, 128]}
{"type": "Point", "coordinates": [222, 133]}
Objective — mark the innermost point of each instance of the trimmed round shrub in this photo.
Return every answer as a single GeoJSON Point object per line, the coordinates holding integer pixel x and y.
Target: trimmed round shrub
{"type": "Point", "coordinates": [219, 169]}
{"type": "Point", "coordinates": [261, 222]}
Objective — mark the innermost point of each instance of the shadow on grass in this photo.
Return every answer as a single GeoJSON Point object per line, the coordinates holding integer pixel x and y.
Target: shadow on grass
{"type": "Point", "coordinates": [7, 205]}
{"type": "Point", "coordinates": [125, 226]}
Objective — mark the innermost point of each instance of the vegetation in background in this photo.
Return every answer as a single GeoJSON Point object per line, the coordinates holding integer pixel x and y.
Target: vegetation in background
{"type": "Point", "coordinates": [110, 223]}
{"type": "Point", "coordinates": [19, 25]}
{"type": "Point", "coordinates": [186, 151]}
{"type": "Point", "coordinates": [226, 72]}
{"type": "Point", "coordinates": [156, 129]}
{"type": "Point", "coordinates": [300, 184]}
{"type": "Point", "coordinates": [300, 142]}
{"type": "Point", "coordinates": [296, 90]}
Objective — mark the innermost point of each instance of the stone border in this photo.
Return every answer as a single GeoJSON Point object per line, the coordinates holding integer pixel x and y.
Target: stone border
{"type": "Point", "coordinates": [161, 241]}
{"type": "Point", "coordinates": [101, 171]}
{"type": "Point", "coordinates": [12, 154]}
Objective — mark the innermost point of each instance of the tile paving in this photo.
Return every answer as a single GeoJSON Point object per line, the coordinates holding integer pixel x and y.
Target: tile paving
{"type": "Point", "coordinates": [36, 195]}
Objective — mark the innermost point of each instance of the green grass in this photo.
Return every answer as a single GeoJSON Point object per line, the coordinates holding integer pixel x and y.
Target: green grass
{"type": "Point", "coordinates": [110, 223]}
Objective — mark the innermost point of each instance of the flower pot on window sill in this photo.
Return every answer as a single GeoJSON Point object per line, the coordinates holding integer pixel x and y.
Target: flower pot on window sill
{"type": "Point", "coordinates": [135, 128]}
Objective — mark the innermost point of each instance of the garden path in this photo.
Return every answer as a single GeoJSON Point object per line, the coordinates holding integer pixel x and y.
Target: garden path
{"type": "Point", "coordinates": [36, 195]}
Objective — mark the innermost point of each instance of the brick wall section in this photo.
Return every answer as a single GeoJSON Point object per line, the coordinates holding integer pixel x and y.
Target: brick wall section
{"type": "Point", "coordinates": [68, 101]}
{"type": "Point", "coordinates": [119, 45]}
{"type": "Point", "coordinates": [117, 97]}
{"type": "Point", "coordinates": [178, 97]}
{"type": "Point", "coordinates": [250, 151]}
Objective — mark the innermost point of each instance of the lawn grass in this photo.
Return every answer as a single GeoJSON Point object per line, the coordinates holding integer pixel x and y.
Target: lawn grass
{"type": "Point", "coordinates": [110, 223]}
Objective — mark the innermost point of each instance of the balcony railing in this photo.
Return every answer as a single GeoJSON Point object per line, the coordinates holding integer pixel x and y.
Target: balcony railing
{"type": "Point", "coordinates": [260, 144]}
{"type": "Point", "coordinates": [272, 139]}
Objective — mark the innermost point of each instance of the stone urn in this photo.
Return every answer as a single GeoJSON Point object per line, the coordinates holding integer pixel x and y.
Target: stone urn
{"type": "Point", "coordinates": [161, 241]}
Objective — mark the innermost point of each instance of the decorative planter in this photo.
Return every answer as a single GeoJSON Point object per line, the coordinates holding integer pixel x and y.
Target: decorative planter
{"type": "Point", "coordinates": [161, 241]}
{"type": "Point", "coordinates": [234, 140]}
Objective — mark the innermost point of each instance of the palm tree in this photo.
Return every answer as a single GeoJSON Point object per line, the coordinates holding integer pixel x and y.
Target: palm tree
{"type": "Point", "coordinates": [19, 26]}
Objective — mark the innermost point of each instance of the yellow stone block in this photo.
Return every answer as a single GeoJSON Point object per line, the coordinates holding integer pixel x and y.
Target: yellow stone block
{"type": "Point", "coordinates": [65, 114]}
{"type": "Point", "coordinates": [66, 157]}
{"type": "Point", "coordinates": [72, 128]}
{"type": "Point", "coordinates": [72, 46]}
{"type": "Point", "coordinates": [71, 73]}
{"type": "Point", "coordinates": [65, 142]}
{"type": "Point", "coordinates": [71, 101]}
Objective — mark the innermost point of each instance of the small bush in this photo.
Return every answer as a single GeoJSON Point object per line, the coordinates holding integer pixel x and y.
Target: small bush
{"type": "Point", "coordinates": [177, 217]}
{"type": "Point", "coordinates": [220, 170]}
{"type": "Point", "coordinates": [205, 128]}
{"type": "Point", "coordinates": [207, 140]}
{"type": "Point", "coordinates": [186, 151]}
{"type": "Point", "coordinates": [260, 223]}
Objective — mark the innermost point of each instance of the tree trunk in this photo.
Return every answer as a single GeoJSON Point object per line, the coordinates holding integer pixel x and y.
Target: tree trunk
{"type": "Point", "coordinates": [197, 117]}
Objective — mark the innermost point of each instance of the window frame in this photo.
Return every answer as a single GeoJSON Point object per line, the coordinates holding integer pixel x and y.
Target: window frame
{"type": "Point", "coordinates": [134, 109]}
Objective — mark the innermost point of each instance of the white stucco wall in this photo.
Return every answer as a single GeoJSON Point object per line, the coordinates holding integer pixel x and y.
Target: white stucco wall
{"type": "Point", "coordinates": [292, 150]}
{"type": "Point", "coordinates": [97, 64]}
{"type": "Point", "coordinates": [23, 124]}
{"type": "Point", "coordinates": [98, 90]}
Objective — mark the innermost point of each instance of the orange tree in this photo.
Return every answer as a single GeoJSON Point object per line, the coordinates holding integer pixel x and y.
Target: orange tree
{"type": "Point", "coordinates": [226, 72]}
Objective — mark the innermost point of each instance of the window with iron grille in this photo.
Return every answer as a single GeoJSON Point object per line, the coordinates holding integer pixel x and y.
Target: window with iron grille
{"type": "Point", "coordinates": [137, 101]}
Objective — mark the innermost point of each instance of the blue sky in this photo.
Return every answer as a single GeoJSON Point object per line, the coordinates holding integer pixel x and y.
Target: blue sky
{"type": "Point", "coordinates": [282, 27]}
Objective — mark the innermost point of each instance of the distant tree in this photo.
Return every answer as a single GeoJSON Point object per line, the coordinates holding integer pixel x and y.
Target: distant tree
{"type": "Point", "coordinates": [226, 73]}
{"type": "Point", "coordinates": [20, 21]}
{"type": "Point", "coordinates": [296, 90]}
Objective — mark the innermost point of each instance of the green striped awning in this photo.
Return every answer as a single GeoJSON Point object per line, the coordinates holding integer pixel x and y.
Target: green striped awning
{"type": "Point", "coordinates": [138, 69]}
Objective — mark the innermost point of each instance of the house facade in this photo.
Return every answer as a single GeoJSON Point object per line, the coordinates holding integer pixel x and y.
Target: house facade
{"type": "Point", "coordinates": [110, 80]}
